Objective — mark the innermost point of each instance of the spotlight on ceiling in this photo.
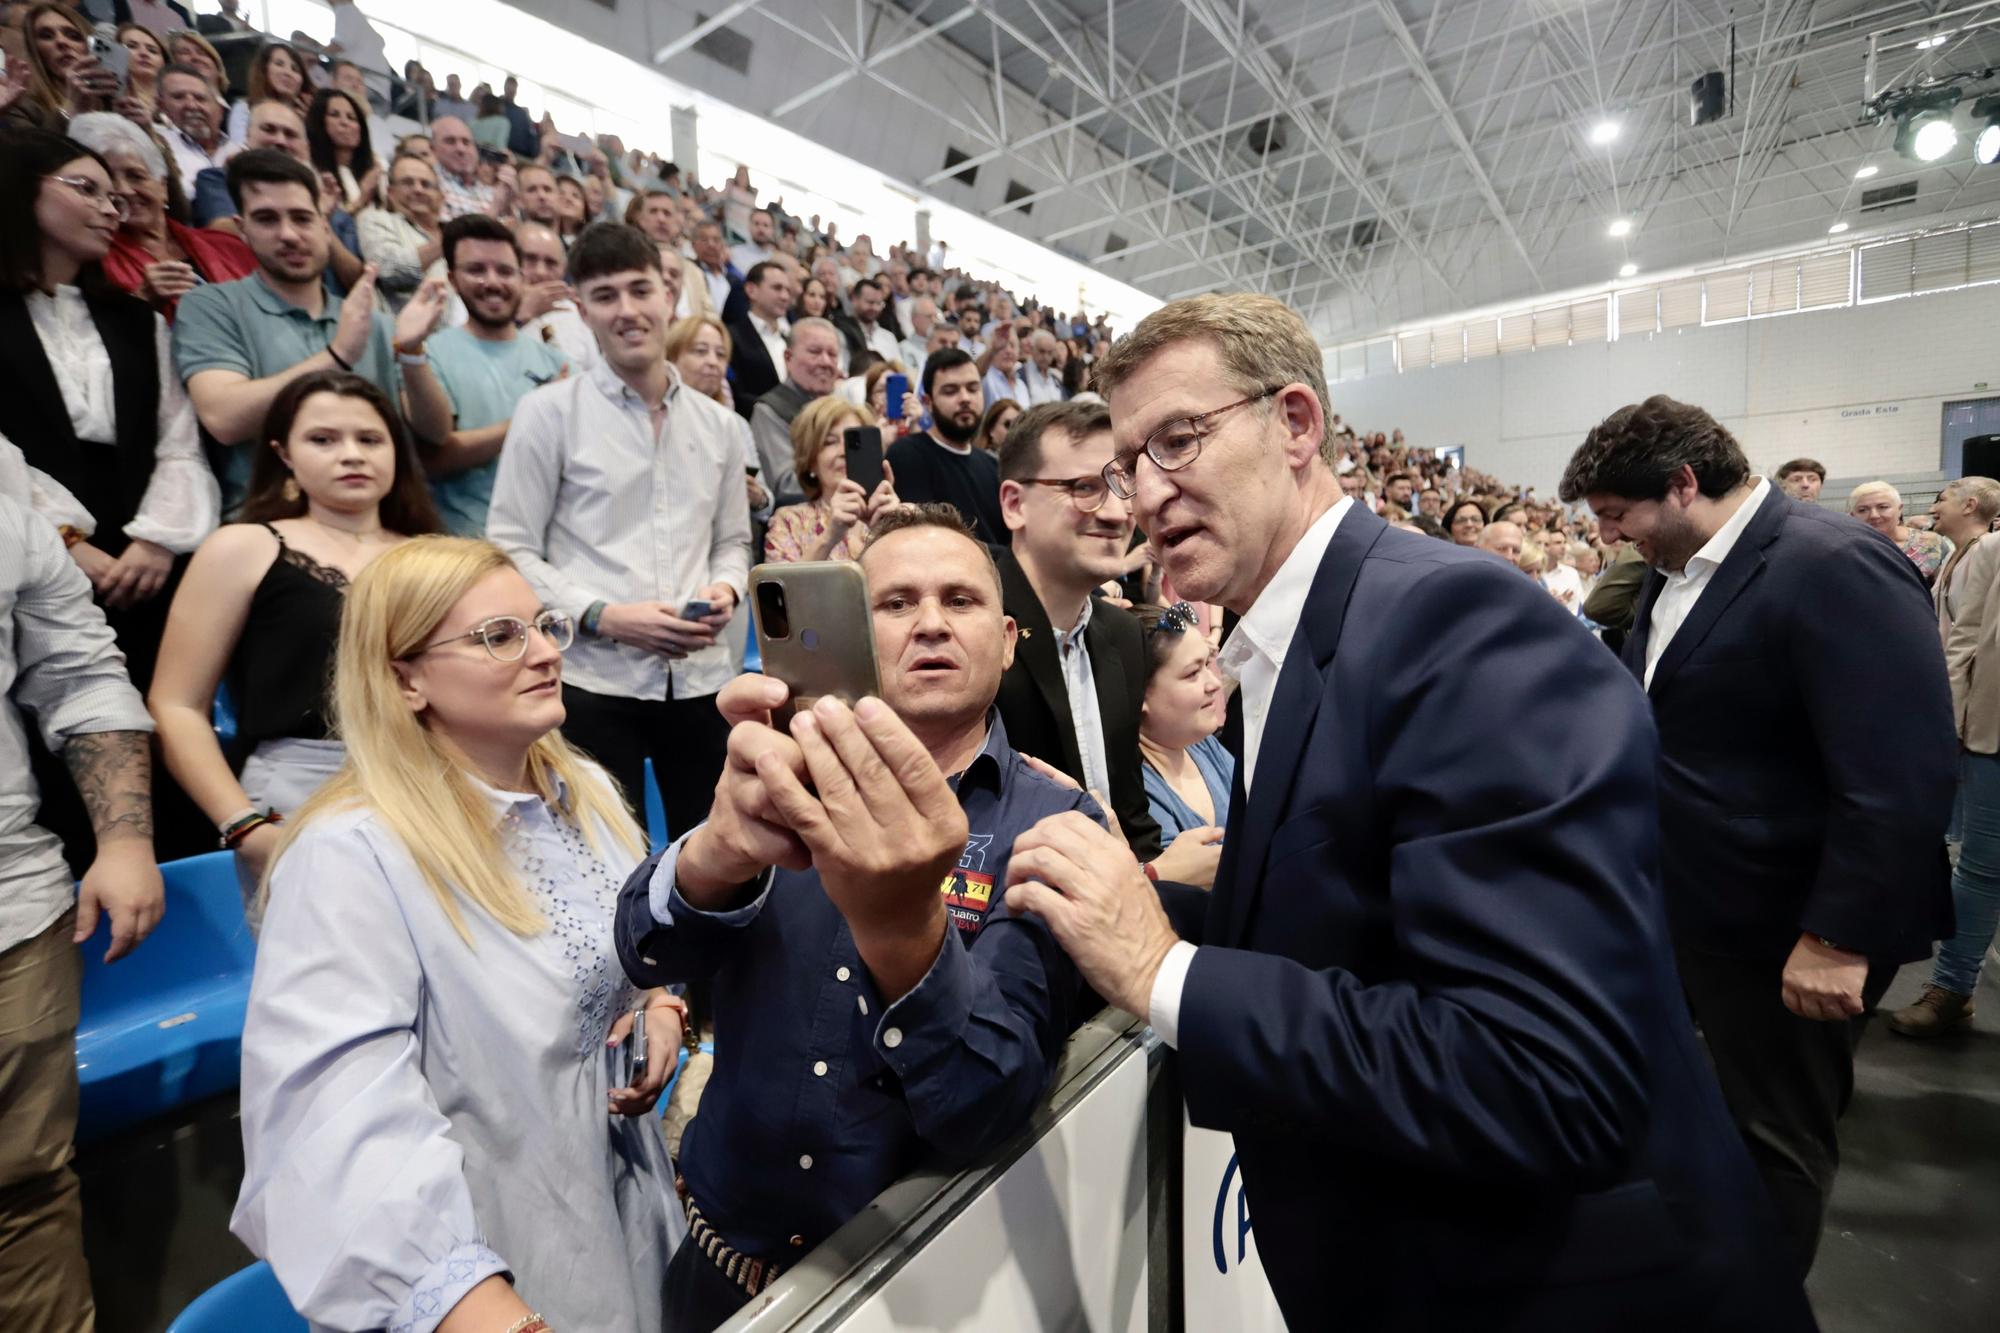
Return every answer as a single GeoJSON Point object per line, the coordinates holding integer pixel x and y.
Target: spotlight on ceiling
{"type": "Point", "coordinates": [1619, 227]}
{"type": "Point", "coordinates": [1934, 41]}
{"type": "Point", "coordinates": [1933, 138]}
{"type": "Point", "coordinates": [1836, 229]}
{"type": "Point", "coordinates": [1626, 270]}
{"type": "Point", "coordinates": [1986, 140]}
{"type": "Point", "coordinates": [1865, 172]}
{"type": "Point", "coordinates": [1603, 132]}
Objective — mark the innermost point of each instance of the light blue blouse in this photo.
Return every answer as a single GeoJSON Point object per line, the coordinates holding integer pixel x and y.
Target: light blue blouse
{"type": "Point", "coordinates": [1174, 816]}
{"type": "Point", "coordinates": [419, 1115]}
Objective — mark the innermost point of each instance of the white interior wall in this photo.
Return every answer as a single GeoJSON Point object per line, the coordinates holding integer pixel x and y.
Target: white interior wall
{"type": "Point", "coordinates": [1860, 388]}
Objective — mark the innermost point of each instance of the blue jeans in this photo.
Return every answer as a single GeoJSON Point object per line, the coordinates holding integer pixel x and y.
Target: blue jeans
{"type": "Point", "coordinates": [1975, 885]}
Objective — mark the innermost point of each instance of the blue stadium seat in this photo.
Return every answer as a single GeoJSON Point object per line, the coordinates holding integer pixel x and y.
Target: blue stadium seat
{"type": "Point", "coordinates": [163, 1026]}
{"type": "Point", "coordinates": [656, 813]}
{"type": "Point", "coordinates": [251, 1299]}
{"type": "Point", "coordinates": [223, 714]}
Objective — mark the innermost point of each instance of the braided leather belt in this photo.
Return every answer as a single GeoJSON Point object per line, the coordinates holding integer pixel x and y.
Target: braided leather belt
{"type": "Point", "coordinates": [753, 1275]}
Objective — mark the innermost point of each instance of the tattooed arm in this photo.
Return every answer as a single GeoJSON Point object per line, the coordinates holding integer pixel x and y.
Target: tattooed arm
{"type": "Point", "coordinates": [69, 676]}
{"type": "Point", "coordinates": [113, 770]}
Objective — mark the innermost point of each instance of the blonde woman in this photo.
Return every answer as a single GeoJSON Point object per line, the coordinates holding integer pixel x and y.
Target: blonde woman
{"type": "Point", "coordinates": [434, 1095]}
{"type": "Point", "coordinates": [698, 347]}
{"type": "Point", "coordinates": [833, 522]}
{"type": "Point", "coordinates": [1880, 506]}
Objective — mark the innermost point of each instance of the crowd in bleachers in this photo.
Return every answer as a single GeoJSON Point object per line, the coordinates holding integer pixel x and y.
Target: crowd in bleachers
{"type": "Point", "coordinates": [432, 447]}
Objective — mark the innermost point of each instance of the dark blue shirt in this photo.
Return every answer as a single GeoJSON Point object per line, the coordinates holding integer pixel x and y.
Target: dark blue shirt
{"type": "Point", "coordinates": [822, 1095]}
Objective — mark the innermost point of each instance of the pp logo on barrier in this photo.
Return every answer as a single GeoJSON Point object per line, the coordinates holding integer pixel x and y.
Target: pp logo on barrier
{"type": "Point", "coordinates": [1222, 1214]}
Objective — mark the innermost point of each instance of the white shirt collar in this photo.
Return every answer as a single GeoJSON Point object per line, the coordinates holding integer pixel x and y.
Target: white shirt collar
{"type": "Point", "coordinates": [1717, 548]}
{"type": "Point", "coordinates": [1074, 635]}
{"type": "Point", "coordinates": [762, 326]}
{"type": "Point", "coordinates": [1267, 627]}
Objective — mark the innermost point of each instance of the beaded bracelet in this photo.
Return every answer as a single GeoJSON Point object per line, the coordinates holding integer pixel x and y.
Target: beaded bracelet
{"type": "Point", "coordinates": [533, 1323]}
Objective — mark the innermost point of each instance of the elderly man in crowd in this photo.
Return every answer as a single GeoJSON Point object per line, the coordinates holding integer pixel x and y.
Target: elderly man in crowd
{"type": "Point", "coordinates": [812, 368]}
{"type": "Point", "coordinates": [1967, 597]}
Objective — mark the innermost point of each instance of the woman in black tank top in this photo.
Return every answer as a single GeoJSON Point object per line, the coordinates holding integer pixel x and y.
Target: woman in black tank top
{"type": "Point", "coordinates": [259, 607]}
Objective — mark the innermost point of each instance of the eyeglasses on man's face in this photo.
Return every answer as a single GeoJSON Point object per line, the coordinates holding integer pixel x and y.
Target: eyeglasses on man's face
{"type": "Point", "coordinates": [506, 637]}
{"type": "Point", "coordinates": [93, 192]}
{"type": "Point", "coordinates": [1173, 446]}
{"type": "Point", "coordinates": [1086, 493]}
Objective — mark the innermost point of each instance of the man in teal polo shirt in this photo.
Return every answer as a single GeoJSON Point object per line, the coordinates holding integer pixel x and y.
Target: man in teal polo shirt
{"type": "Point", "coordinates": [485, 367]}
{"type": "Point", "coordinates": [238, 343]}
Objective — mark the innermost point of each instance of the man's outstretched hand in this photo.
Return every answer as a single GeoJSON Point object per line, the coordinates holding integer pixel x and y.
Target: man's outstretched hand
{"type": "Point", "coordinates": [1084, 881]}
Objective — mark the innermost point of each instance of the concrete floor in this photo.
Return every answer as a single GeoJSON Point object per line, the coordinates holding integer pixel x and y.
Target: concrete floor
{"type": "Point", "coordinates": [1912, 1241]}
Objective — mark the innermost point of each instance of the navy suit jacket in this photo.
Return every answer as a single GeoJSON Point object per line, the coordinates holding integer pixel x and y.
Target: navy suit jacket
{"type": "Point", "coordinates": [1807, 745]}
{"type": "Point", "coordinates": [1435, 1003]}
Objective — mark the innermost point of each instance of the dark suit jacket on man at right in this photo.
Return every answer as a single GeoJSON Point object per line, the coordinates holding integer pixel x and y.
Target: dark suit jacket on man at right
{"type": "Point", "coordinates": [1434, 1001]}
{"type": "Point", "coordinates": [1807, 745]}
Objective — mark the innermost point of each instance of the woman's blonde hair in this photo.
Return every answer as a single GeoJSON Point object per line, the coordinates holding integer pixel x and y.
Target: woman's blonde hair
{"type": "Point", "coordinates": [681, 336]}
{"type": "Point", "coordinates": [43, 85]}
{"type": "Point", "coordinates": [1867, 488]}
{"type": "Point", "coordinates": [809, 430]}
{"type": "Point", "coordinates": [402, 771]}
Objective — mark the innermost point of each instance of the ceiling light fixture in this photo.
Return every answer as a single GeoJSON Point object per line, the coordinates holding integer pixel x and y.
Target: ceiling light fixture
{"type": "Point", "coordinates": [1934, 41]}
{"type": "Point", "coordinates": [1604, 131]}
{"type": "Point", "coordinates": [1627, 270]}
{"type": "Point", "coordinates": [1933, 138]}
{"type": "Point", "coordinates": [1619, 227]}
{"type": "Point", "coordinates": [1836, 229]}
{"type": "Point", "coordinates": [1865, 172]}
{"type": "Point", "coordinates": [1986, 140]}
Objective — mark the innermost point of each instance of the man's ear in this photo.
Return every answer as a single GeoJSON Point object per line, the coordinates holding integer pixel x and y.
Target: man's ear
{"type": "Point", "coordinates": [1010, 634]}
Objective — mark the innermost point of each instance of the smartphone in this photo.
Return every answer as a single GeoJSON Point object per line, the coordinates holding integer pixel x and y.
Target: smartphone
{"type": "Point", "coordinates": [697, 608]}
{"type": "Point", "coordinates": [112, 55]}
{"type": "Point", "coordinates": [899, 388]}
{"type": "Point", "coordinates": [635, 1050]}
{"type": "Point", "coordinates": [815, 631]}
{"type": "Point", "coordinates": [864, 452]}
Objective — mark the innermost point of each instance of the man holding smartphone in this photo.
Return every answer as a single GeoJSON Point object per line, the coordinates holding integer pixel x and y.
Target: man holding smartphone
{"type": "Point", "coordinates": [840, 896]}
{"type": "Point", "coordinates": [620, 495]}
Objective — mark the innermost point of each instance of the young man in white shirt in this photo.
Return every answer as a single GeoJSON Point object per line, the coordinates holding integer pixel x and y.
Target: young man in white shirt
{"type": "Point", "coordinates": [620, 495]}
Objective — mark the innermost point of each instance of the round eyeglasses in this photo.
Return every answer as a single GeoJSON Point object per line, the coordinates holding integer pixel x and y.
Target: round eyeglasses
{"type": "Point", "coordinates": [506, 637]}
{"type": "Point", "coordinates": [1086, 493]}
{"type": "Point", "coordinates": [1173, 446]}
{"type": "Point", "coordinates": [92, 193]}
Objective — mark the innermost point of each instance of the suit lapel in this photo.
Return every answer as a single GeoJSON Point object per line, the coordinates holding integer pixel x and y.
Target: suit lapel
{"type": "Point", "coordinates": [1288, 723]}
{"type": "Point", "coordinates": [1744, 563]}
{"type": "Point", "coordinates": [1036, 650]}
{"type": "Point", "coordinates": [1641, 633]}
{"type": "Point", "coordinates": [1107, 673]}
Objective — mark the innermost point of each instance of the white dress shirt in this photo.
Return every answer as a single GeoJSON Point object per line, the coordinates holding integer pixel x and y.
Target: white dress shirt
{"type": "Point", "coordinates": [563, 329]}
{"type": "Point", "coordinates": [774, 337]}
{"type": "Point", "coordinates": [1043, 387]}
{"type": "Point", "coordinates": [1685, 586]}
{"type": "Point", "coordinates": [595, 505]}
{"type": "Point", "coordinates": [61, 673]}
{"type": "Point", "coordinates": [718, 288]}
{"type": "Point", "coordinates": [879, 341]}
{"type": "Point", "coordinates": [182, 503]}
{"type": "Point", "coordinates": [190, 157]}
{"type": "Point", "coordinates": [1086, 716]}
{"type": "Point", "coordinates": [1255, 656]}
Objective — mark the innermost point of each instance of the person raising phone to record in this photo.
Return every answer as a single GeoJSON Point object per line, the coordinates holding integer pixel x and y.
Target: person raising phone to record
{"type": "Point", "coordinates": [846, 870]}
{"type": "Point", "coordinates": [834, 521]}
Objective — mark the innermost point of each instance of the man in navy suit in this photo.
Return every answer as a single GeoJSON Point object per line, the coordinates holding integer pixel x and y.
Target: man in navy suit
{"type": "Point", "coordinates": [1433, 1001]}
{"type": "Point", "coordinates": [757, 336]}
{"type": "Point", "coordinates": [1807, 745]}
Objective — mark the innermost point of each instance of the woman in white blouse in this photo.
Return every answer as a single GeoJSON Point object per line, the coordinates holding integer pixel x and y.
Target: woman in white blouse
{"type": "Point", "coordinates": [405, 241]}
{"type": "Point", "coordinates": [88, 390]}
{"type": "Point", "coordinates": [438, 1129]}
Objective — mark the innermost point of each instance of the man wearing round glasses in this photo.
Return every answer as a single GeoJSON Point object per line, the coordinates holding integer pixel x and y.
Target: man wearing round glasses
{"type": "Point", "coordinates": [1433, 999]}
{"type": "Point", "coordinates": [1072, 696]}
